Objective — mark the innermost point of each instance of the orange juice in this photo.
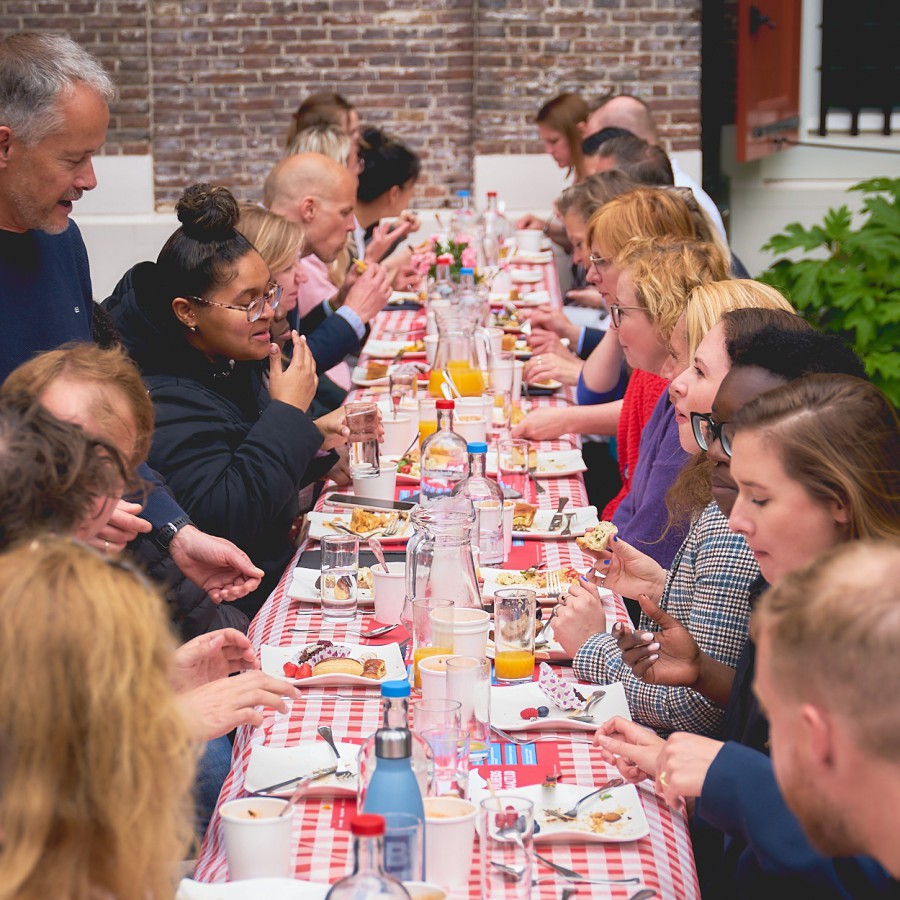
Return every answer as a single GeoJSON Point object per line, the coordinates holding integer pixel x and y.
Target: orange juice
{"type": "Point", "coordinates": [469, 381]}
{"type": "Point", "coordinates": [420, 653]}
{"type": "Point", "coordinates": [514, 665]}
{"type": "Point", "coordinates": [426, 428]}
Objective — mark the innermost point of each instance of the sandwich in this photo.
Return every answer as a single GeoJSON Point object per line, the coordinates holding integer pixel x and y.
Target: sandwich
{"type": "Point", "coordinates": [343, 666]}
{"type": "Point", "coordinates": [597, 540]}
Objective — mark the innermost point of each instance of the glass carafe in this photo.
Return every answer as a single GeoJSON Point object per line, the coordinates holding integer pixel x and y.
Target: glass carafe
{"type": "Point", "coordinates": [458, 353]}
{"type": "Point", "coordinates": [439, 559]}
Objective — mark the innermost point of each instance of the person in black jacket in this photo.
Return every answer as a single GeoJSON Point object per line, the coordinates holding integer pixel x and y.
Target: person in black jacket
{"type": "Point", "coordinates": [197, 324]}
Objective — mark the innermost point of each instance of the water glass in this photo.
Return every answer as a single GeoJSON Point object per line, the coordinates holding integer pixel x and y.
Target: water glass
{"type": "Point", "coordinates": [469, 682]}
{"type": "Point", "coordinates": [436, 714]}
{"type": "Point", "coordinates": [451, 761]}
{"type": "Point", "coordinates": [514, 623]}
{"type": "Point", "coordinates": [340, 567]}
{"type": "Point", "coordinates": [507, 837]}
{"type": "Point", "coordinates": [403, 856]}
{"type": "Point", "coordinates": [512, 468]}
{"type": "Point", "coordinates": [502, 366]}
{"type": "Point", "coordinates": [499, 404]}
{"type": "Point", "coordinates": [402, 385]}
{"type": "Point", "coordinates": [423, 636]}
{"type": "Point", "coordinates": [362, 420]}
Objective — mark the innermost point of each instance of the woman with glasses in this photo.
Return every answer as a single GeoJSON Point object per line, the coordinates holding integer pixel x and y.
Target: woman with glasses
{"type": "Point", "coordinates": [198, 323]}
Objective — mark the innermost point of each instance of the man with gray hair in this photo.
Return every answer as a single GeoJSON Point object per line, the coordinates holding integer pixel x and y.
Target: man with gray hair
{"type": "Point", "coordinates": [54, 112]}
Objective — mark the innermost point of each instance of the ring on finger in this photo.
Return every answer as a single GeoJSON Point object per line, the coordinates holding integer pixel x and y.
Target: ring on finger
{"type": "Point", "coordinates": [664, 778]}
{"type": "Point", "coordinates": [106, 547]}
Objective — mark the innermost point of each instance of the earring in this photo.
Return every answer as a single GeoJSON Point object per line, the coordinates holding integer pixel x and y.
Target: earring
{"type": "Point", "coordinates": [192, 328]}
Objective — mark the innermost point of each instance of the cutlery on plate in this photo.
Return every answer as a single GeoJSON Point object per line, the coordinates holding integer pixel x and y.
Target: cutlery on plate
{"type": "Point", "coordinates": [572, 875]}
{"type": "Point", "coordinates": [328, 737]}
{"type": "Point", "coordinates": [376, 632]}
{"type": "Point", "coordinates": [514, 739]}
{"type": "Point", "coordinates": [375, 547]}
{"type": "Point", "coordinates": [310, 776]}
{"type": "Point", "coordinates": [557, 520]}
{"type": "Point", "coordinates": [572, 813]}
{"type": "Point", "coordinates": [567, 531]}
{"type": "Point", "coordinates": [584, 714]}
{"type": "Point", "coordinates": [538, 487]}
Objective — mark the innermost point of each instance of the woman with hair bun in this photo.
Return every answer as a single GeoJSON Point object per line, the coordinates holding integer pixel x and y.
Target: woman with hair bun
{"type": "Point", "coordinates": [198, 323]}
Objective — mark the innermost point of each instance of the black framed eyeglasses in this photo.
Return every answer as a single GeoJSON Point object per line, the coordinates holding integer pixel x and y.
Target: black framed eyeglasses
{"type": "Point", "coordinates": [615, 310]}
{"type": "Point", "coordinates": [254, 309]}
{"type": "Point", "coordinates": [707, 430]}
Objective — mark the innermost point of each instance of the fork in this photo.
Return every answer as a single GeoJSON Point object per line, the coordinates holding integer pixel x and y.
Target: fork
{"type": "Point", "coordinates": [538, 487]}
{"type": "Point", "coordinates": [327, 736]}
{"type": "Point", "coordinates": [573, 812]}
{"type": "Point", "coordinates": [572, 875]}
{"type": "Point", "coordinates": [554, 589]}
{"type": "Point", "coordinates": [513, 739]}
{"type": "Point", "coordinates": [567, 531]}
{"type": "Point", "coordinates": [393, 526]}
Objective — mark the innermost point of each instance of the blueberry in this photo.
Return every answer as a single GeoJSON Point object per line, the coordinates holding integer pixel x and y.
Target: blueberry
{"type": "Point", "coordinates": [543, 711]}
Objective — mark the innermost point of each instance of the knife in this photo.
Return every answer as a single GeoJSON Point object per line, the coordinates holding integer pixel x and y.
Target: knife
{"type": "Point", "coordinates": [310, 776]}
{"type": "Point", "coordinates": [556, 521]}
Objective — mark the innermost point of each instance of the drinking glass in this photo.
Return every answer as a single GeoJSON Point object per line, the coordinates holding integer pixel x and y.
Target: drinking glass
{"type": "Point", "coordinates": [506, 830]}
{"type": "Point", "coordinates": [500, 406]}
{"type": "Point", "coordinates": [402, 385]}
{"type": "Point", "coordinates": [436, 714]}
{"type": "Point", "coordinates": [423, 635]}
{"type": "Point", "coordinates": [451, 760]}
{"type": "Point", "coordinates": [362, 420]}
{"type": "Point", "coordinates": [514, 621]}
{"type": "Point", "coordinates": [512, 468]}
{"type": "Point", "coordinates": [469, 682]}
{"type": "Point", "coordinates": [427, 417]}
{"type": "Point", "coordinates": [340, 565]}
{"type": "Point", "coordinates": [502, 366]}
{"type": "Point", "coordinates": [403, 836]}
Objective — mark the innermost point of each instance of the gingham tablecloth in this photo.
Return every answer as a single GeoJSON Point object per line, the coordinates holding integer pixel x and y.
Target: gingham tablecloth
{"type": "Point", "coordinates": [663, 860]}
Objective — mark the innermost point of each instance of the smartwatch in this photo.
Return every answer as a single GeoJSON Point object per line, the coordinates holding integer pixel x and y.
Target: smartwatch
{"type": "Point", "coordinates": [164, 535]}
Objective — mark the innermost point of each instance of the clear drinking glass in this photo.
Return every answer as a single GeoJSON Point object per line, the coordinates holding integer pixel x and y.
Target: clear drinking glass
{"type": "Point", "coordinates": [362, 420]}
{"type": "Point", "coordinates": [499, 403]}
{"type": "Point", "coordinates": [423, 635]}
{"type": "Point", "coordinates": [514, 622]}
{"type": "Point", "coordinates": [340, 567]}
{"type": "Point", "coordinates": [427, 418]}
{"type": "Point", "coordinates": [403, 836]}
{"type": "Point", "coordinates": [512, 468]}
{"type": "Point", "coordinates": [451, 761]}
{"type": "Point", "coordinates": [402, 385]}
{"type": "Point", "coordinates": [436, 714]}
{"type": "Point", "coordinates": [469, 682]}
{"type": "Point", "coordinates": [506, 837]}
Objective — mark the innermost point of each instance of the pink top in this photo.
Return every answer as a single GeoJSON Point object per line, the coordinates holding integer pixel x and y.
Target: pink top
{"type": "Point", "coordinates": [317, 288]}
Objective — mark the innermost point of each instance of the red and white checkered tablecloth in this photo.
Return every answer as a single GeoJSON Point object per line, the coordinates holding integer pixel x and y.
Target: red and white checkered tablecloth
{"type": "Point", "coordinates": [663, 860]}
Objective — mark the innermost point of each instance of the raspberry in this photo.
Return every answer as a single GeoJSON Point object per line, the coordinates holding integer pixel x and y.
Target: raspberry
{"type": "Point", "coordinates": [529, 713]}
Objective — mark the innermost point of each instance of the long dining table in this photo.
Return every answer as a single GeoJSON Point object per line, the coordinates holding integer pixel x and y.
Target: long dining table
{"type": "Point", "coordinates": [662, 860]}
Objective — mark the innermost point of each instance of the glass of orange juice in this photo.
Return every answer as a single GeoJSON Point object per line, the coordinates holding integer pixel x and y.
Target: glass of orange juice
{"type": "Point", "coordinates": [427, 418]}
{"type": "Point", "coordinates": [424, 643]}
{"type": "Point", "coordinates": [514, 622]}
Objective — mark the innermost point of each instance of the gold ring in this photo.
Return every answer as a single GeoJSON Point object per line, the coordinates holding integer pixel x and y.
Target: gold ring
{"type": "Point", "coordinates": [663, 778]}
{"type": "Point", "coordinates": [106, 547]}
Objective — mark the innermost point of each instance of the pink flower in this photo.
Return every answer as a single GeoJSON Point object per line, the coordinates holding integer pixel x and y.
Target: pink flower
{"type": "Point", "coordinates": [425, 261]}
{"type": "Point", "coordinates": [435, 240]}
{"type": "Point", "coordinates": [468, 258]}
{"type": "Point", "coordinates": [465, 239]}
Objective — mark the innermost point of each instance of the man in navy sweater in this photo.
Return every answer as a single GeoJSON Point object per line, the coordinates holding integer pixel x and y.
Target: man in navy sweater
{"type": "Point", "coordinates": [54, 112]}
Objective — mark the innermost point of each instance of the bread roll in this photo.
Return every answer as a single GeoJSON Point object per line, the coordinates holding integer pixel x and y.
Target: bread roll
{"type": "Point", "coordinates": [345, 666]}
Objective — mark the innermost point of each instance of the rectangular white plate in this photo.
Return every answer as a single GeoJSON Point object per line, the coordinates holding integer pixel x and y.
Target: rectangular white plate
{"type": "Point", "coordinates": [302, 586]}
{"type": "Point", "coordinates": [491, 578]}
{"type": "Point", "coordinates": [318, 528]}
{"type": "Point", "coordinates": [252, 889]}
{"type": "Point", "coordinates": [273, 659]}
{"type": "Point", "coordinates": [585, 517]}
{"type": "Point", "coordinates": [550, 463]}
{"type": "Point", "coordinates": [358, 377]}
{"type": "Point", "coordinates": [381, 349]}
{"type": "Point", "coordinates": [507, 703]}
{"type": "Point", "coordinates": [529, 256]}
{"type": "Point", "coordinates": [270, 765]}
{"type": "Point", "coordinates": [525, 276]}
{"type": "Point", "coordinates": [624, 800]}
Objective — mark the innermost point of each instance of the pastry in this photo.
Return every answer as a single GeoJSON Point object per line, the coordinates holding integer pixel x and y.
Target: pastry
{"type": "Point", "coordinates": [523, 516]}
{"type": "Point", "coordinates": [374, 668]}
{"type": "Point", "coordinates": [598, 539]}
{"type": "Point", "coordinates": [345, 666]}
{"type": "Point", "coordinates": [517, 457]}
{"type": "Point", "coordinates": [361, 520]}
{"type": "Point", "coordinates": [508, 342]}
{"type": "Point", "coordinates": [375, 370]}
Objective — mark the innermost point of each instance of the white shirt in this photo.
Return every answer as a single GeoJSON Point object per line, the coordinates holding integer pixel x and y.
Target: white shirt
{"type": "Point", "coordinates": [682, 179]}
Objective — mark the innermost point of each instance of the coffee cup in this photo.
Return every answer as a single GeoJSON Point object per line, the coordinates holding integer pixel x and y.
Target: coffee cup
{"type": "Point", "coordinates": [471, 427]}
{"type": "Point", "coordinates": [399, 432]}
{"type": "Point", "coordinates": [377, 487]}
{"type": "Point", "coordinates": [433, 676]}
{"type": "Point", "coordinates": [389, 589]}
{"type": "Point", "coordinates": [449, 840]}
{"type": "Point", "coordinates": [258, 842]}
{"type": "Point", "coordinates": [462, 628]}
{"type": "Point", "coordinates": [529, 240]}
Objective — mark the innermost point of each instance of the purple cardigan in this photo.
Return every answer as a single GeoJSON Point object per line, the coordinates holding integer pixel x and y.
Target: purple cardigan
{"type": "Point", "coordinates": [642, 516]}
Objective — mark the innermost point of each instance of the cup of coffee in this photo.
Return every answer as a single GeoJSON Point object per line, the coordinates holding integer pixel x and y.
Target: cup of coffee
{"type": "Point", "coordinates": [433, 676]}
{"type": "Point", "coordinates": [472, 428]}
{"type": "Point", "coordinates": [398, 432]}
{"type": "Point", "coordinates": [464, 629]}
{"type": "Point", "coordinates": [258, 840]}
{"type": "Point", "coordinates": [377, 487]}
{"type": "Point", "coordinates": [529, 240]}
{"type": "Point", "coordinates": [389, 589]}
{"type": "Point", "coordinates": [449, 840]}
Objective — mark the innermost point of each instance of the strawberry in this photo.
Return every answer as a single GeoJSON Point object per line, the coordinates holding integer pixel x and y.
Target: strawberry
{"type": "Point", "coordinates": [304, 671]}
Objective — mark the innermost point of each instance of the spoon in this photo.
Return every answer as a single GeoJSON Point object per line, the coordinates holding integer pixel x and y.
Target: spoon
{"type": "Point", "coordinates": [585, 714]}
{"type": "Point", "coordinates": [375, 547]}
{"type": "Point", "coordinates": [448, 379]}
{"type": "Point", "coordinates": [328, 737]}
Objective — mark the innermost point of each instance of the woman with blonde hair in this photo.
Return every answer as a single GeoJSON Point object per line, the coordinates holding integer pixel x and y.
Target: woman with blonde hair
{"type": "Point", "coordinates": [97, 759]}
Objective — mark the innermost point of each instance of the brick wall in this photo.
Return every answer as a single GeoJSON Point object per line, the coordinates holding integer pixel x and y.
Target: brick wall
{"type": "Point", "coordinates": [208, 86]}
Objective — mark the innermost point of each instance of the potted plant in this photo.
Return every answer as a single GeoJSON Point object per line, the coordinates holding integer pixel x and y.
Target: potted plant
{"type": "Point", "coordinates": [849, 284]}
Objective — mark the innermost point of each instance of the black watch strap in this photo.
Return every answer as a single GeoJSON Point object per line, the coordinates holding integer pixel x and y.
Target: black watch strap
{"type": "Point", "coordinates": [164, 535]}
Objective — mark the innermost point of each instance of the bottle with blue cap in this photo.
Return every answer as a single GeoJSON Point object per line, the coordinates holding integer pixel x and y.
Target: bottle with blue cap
{"type": "Point", "coordinates": [487, 498]}
{"type": "Point", "coordinates": [472, 305]}
{"type": "Point", "coordinates": [464, 220]}
{"type": "Point", "coordinates": [395, 766]}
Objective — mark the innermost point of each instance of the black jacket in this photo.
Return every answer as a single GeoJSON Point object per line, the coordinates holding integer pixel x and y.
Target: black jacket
{"type": "Point", "coordinates": [234, 459]}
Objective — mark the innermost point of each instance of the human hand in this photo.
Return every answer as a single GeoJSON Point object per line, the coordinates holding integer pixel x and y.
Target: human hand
{"type": "Point", "coordinates": [213, 655]}
{"type": "Point", "coordinates": [682, 766]}
{"type": "Point", "coordinates": [333, 427]}
{"type": "Point", "coordinates": [589, 297]}
{"type": "Point", "coordinates": [579, 616]}
{"type": "Point", "coordinates": [339, 473]}
{"type": "Point", "coordinates": [386, 234]}
{"type": "Point", "coordinates": [546, 366]}
{"type": "Point", "coordinates": [214, 564]}
{"type": "Point", "coordinates": [554, 320]}
{"type": "Point", "coordinates": [280, 331]}
{"type": "Point", "coordinates": [542, 341]}
{"type": "Point", "coordinates": [544, 424]}
{"type": "Point", "coordinates": [631, 748]}
{"type": "Point", "coordinates": [627, 571]}
{"type": "Point", "coordinates": [123, 527]}
{"type": "Point", "coordinates": [669, 656]}
{"type": "Point", "coordinates": [215, 708]}
{"type": "Point", "coordinates": [370, 292]}
{"type": "Point", "coordinates": [530, 221]}
{"type": "Point", "coordinates": [295, 385]}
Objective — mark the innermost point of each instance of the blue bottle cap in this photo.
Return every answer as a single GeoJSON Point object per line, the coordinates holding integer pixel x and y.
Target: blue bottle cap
{"type": "Point", "coordinates": [463, 193]}
{"type": "Point", "coordinates": [477, 447]}
{"type": "Point", "coordinates": [466, 271]}
{"type": "Point", "coordinates": [399, 688]}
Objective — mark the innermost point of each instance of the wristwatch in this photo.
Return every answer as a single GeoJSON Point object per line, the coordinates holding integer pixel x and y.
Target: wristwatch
{"type": "Point", "coordinates": [164, 535]}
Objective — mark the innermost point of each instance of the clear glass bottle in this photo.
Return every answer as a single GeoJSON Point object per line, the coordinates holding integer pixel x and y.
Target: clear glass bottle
{"type": "Point", "coordinates": [487, 499]}
{"type": "Point", "coordinates": [471, 302]}
{"type": "Point", "coordinates": [464, 220]}
{"type": "Point", "coordinates": [368, 880]}
{"type": "Point", "coordinates": [443, 287]}
{"type": "Point", "coordinates": [443, 460]}
{"type": "Point", "coordinates": [494, 232]}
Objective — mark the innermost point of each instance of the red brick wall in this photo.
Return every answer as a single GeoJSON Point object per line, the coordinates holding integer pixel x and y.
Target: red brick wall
{"type": "Point", "coordinates": [208, 86]}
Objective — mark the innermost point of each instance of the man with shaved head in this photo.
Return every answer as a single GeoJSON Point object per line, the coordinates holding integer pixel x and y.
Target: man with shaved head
{"type": "Point", "coordinates": [319, 195]}
{"type": "Point", "coordinates": [632, 114]}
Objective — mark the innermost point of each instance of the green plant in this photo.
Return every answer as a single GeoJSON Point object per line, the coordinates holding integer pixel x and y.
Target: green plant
{"type": "Point", "coordinates": [853, 289]}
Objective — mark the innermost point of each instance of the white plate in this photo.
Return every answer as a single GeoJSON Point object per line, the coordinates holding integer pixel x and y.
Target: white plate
{"type": "Point", "coordinates": [380, 349]}
{"type": "Point", "coordinates": [534, 298]}
{"type": "Point", "coordinates": [270, 765]}
{"type": "Point", "coordinates": [358, 377]}
{"type": "Point", "coordinates": [551, 384]}
{"type": "Point", "coordinates": [302, 586]}
{"type": "Point", "coordinates": [624, 800]}
{"type": "Point", "coordinates": [398, 297]}
{"type": "Point", "coordinates": [550, 464]}
{"type": "Point", "coordinates": [525, 276]}
{"type": "Point", "coordinates": [507, 702]}
{"type": "Point", "coordinates": [252, 889]}
{"type": "Point", "coordinates": [318, 529]}
{"type": "Point", "coordinates": [529, 256]}
{"type": "Point", "coordinates": [273, 659]}
{"type": "Point", "coordinates": [585, 517]}
{"type": "Point", "coordinates": [492, 583]}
